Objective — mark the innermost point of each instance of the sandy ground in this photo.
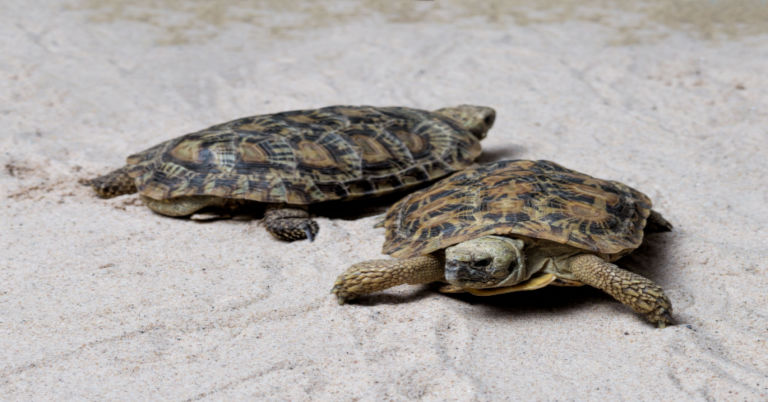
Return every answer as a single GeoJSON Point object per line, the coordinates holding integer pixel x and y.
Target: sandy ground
{"type": "Point", "coordinates": [106, 300]}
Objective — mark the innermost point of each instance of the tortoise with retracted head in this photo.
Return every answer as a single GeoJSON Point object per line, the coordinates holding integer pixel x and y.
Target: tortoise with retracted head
{"type": "Point", "coordinates": [516, 225]}
{"type": "Point", "coordinates": [290, 160]}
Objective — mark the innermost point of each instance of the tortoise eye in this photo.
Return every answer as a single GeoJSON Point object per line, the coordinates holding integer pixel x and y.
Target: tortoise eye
{"type": "Point", "coordinates": [483, 263]}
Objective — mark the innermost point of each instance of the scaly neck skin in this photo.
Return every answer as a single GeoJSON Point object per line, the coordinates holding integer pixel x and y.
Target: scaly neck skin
{"type": "Point", "coordinates": [541, 257]}
{"type": "Point", "coordinates": [544, 257]}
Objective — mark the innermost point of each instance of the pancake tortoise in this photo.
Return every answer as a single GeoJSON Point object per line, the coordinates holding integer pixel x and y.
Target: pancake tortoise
{"type": "Point", "coordinates": [516, 225]}
{"type": "Point", "coordinates": [292, 159]}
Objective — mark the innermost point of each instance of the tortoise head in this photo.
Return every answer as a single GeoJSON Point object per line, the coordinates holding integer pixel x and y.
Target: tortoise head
{"type": "Point", "coordinates": [476, 119]}
{"type": "Point", "coordinates": [485, 262]}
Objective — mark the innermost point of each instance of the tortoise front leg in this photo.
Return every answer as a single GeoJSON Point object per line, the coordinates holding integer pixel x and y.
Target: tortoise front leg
{"type": "Point", "coordinates": [637, 292]}
{"type": "Point", "coordinates": [375, 275]}
{"type": "Point", "coordinates": [290, 224]}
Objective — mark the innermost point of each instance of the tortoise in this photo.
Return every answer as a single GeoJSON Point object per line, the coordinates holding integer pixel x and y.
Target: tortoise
{"type": "Point", "coordinates": [292, 159]}
{"type": "Point", "coordinates": [516, 225]}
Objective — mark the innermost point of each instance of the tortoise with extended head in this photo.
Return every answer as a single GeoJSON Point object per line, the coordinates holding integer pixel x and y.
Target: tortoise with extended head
{"type": "Point", "coordinates": [516, 225]}
{"type": "Point", "coordinates": [292, 159]}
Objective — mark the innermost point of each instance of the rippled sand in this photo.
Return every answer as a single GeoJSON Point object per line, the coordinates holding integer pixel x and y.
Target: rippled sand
{"type": "Point", "coordinates": [106, 300]}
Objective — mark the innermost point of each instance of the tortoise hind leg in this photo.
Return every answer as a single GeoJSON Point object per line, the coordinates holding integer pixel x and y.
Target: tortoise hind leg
{"type": "Point", "coordinates": [656, 223]}
{"type": "Point", "coordinates": [290, 224]}
{"type": "Point", "coordinates": [113, 184]}
{"type": "Point", "coordinates": [637, 292]}
{"type": "Point", "coordinates": [182, 206]}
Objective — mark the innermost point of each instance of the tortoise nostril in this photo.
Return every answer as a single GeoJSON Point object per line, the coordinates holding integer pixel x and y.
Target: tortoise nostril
{"type": "Point", "coordinates": [488, 121]}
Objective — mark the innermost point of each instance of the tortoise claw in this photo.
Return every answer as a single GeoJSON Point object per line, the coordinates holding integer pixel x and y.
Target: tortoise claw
{"type": "Point", "coordinates": [662, 318]}
{"type": "Point", "coordinates": [310, 230]}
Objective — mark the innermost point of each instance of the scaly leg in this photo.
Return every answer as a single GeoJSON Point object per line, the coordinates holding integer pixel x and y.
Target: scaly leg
{"type": "Point", "coordinates": [374, 275]}
{"type": "Point", "coordinates": [113, 184]}
{"type": "Point", "coordinates": [637, 292]}
{"type": "Point", "coordinates": [290, 224]}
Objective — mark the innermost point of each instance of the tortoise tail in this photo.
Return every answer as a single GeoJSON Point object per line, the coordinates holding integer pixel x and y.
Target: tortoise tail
{"type": "Point", "coordinates": [112, 184]}
{"type": "Point", "coordinates": [657, 223]}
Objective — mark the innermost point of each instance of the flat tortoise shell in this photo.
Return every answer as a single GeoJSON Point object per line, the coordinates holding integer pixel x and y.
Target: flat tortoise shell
{"type": "Point", "coordinates": [296, 158]}
{"type": "Point", "coordinates": [536, 199]}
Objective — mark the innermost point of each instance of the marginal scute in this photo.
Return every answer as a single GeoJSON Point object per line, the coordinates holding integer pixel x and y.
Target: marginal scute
{"type": "Point", "coordinates": [534, 199]}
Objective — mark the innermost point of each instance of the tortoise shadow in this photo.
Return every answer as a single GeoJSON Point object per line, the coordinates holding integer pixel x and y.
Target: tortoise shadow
{"type": "Point", "coordinates": [341, 209]}
{"type": "Point", "coordinates": [545, 301]}
{"type": "Point", "coordinates": [385, 298]}
{"type": "Point", "coordinates": [541, 301]}
{"type": "Point", "coordinates": [652, 258]}
{"type": "Point", "coordinates": [362, 208]}
{"type": "Point", "coordinates": [500, 153]}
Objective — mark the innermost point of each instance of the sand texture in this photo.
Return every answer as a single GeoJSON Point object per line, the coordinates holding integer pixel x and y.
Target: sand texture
{"type": "Point", "coordinates": [105, 300]}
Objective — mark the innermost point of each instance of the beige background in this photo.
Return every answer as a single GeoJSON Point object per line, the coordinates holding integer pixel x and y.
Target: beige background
{"type": "Point", "coordinates": [106, 300]}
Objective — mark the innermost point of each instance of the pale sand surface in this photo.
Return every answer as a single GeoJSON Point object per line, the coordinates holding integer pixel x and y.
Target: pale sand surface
{"type": "Point", "coordinates": [106, 300]}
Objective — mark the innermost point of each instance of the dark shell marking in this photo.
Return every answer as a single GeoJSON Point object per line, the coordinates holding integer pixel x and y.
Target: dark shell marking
{"type": "Point", "coordinates": [536, 199]}
{"type": "Point", "coordinates": [307, 156]}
